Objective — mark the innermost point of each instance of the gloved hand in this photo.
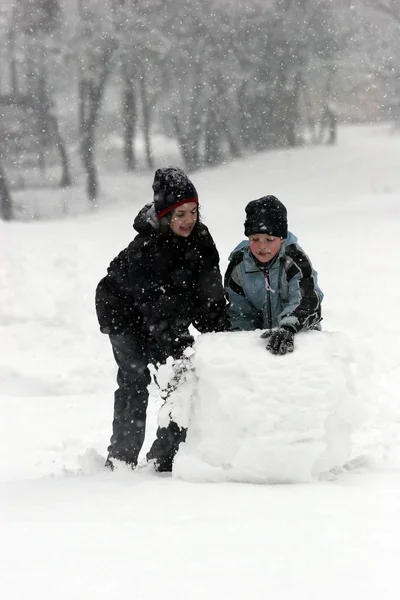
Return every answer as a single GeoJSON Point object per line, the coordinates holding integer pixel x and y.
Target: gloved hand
{"type": "Point", "coordinates": [280, 340]}
{"type": "Point", "coordinates": [178, 344]}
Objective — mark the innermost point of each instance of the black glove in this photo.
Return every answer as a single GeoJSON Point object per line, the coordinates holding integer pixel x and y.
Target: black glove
{"type": "Point", "coordinates": [177, 342]}
{"type": "Point", "coordinates": [280, 340]}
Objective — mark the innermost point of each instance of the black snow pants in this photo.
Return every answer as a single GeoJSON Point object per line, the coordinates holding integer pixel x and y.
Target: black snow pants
{"type": "Point", "coordinates": [132, 354]}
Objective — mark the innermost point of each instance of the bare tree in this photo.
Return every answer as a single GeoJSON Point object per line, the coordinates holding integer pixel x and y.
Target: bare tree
{"type": "Point", "coordinates": [98, 26]}
{"type": "Point", "coordinates": [143, 49]}
{"type": "Point", "coordinates": [28, 104]}
{"type": "Point", "coordinates": [384, 48]}
{"type": "Point", "coordinates": [12, 59]}
{"type": "Point", "coordinates": [6, 210]}
{"type": "Point", "coordinates": [31, 30]}
{"type": "Point", "coordinates": [38, 22]}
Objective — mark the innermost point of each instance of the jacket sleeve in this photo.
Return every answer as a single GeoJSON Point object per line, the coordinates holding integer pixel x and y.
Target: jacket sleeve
{"type": "Point", "coordinates": [303, 310]}
{"type": "Point", "coordinates": [209, 298]}
{"type": "Point", "coordinates": [242, 314]}
{"type": "Point", "coordinates": [132, 282]}
{"type": "Point", "coordinates": [114, 304]}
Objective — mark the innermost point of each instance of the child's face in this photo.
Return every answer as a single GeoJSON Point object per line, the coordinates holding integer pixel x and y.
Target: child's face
{"type": "Point", "coordinates": [264, 246]}
{"type": "Point", "coordinates": [184, 219]}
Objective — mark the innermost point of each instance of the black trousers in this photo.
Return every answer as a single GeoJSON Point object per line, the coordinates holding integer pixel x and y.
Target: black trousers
{"type": "Point", "coordinates": [132, 355]}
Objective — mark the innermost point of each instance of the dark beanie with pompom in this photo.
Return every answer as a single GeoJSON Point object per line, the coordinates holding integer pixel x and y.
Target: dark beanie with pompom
{"type": "Point", "coordinates": [266, 215]}
{"type": "Point", "coordinates": [172, 187]}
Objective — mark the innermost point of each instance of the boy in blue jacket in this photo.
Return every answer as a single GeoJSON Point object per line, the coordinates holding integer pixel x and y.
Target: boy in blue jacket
{"type": "Point", "coordinates": [270, 282]}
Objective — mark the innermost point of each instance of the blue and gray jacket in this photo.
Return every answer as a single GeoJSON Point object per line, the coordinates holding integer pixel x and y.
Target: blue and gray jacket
{"type": "Point", "coordinates": [284, 294]}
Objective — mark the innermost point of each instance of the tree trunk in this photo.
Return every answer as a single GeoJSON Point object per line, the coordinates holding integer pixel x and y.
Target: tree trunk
{"type": "Point", "coordinates": [146, 111]}
{"type": "Point", "coordinates": [129, 117]}
{"type": "Point", "coordinates": [310, 119]}
{"type": "Point", "coordinates": [227, 120]}
{"type": "Point", "coordinates": [231, 138]}
{"type": "Point", "coordinates": [41, 108]}
{"type": "Point", "coordinates": [293, 113]}
{"type": "Point", "coordinates": [328, 128]}
{"type": "Point", "coordinates": [6, 211]}
{"type": "Point", "coordinates": [241, 97]}
{"type": "Point", "coordinates": [87, 146]}
{"type": "Point", "coordinates": [283, 107]}
{"type": "Point", "coordinates": [91, 101]}
{"type": "Point", "coordinates": [195, 132]}
{"type": "Point", "coordinates": [12, 58]}
{"type": "Point", "coordinates": [263, 133]}
{"type": "Point", "coordinates": [81, 109]}
{"type": "Point", "coordinates": [189, 157]}
{"type": "Point", "coordinates": [59, 142]}
{"type": "Point", "coordinates": [212, 150]}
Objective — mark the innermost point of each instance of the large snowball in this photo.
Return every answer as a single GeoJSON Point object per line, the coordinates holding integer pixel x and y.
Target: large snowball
{"type": "Point", "coordinates": [261, 418]}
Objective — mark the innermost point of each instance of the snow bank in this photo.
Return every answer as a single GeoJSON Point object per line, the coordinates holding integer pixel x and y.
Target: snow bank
{"type": "Point", "coordinates": [260, 418]}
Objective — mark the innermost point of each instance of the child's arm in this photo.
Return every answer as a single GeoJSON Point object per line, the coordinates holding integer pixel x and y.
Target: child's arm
{"type": "Point", "coordinates": [304, 308]}
{"type": "Point", "coordinates": [242, 314]}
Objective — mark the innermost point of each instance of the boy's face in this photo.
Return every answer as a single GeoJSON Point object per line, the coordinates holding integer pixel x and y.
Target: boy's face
{"type": "Point", "coordinates": [264, 247]}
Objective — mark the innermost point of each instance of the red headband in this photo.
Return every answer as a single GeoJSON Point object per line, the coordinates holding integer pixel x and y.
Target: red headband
{"type": "Point", "coordinates": [164, 212]}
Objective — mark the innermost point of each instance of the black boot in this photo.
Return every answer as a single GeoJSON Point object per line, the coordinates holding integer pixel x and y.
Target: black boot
{"type": "Point", "coordinates": [165, 446]}
{"type": "Point", "coordinates": [109, 464]}
{"type": "Point", "coordinates": [112, 460]}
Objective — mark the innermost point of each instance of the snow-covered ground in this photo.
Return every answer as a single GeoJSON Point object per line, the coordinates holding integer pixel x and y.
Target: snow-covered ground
{"type": "Point", "coordinates": [70, 529]}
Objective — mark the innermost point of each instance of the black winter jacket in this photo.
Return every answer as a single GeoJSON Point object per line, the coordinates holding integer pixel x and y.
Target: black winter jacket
{"type": "Point", "coordinates": [162, 283]}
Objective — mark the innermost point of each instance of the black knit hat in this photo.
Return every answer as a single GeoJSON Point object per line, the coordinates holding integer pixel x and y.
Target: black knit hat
{"type": "Point", "coordinates": [172, 187]}
{"type": "Point", "coordinates": [266, 215]}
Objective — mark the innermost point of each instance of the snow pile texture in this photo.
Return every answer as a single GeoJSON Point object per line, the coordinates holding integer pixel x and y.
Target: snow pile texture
{"type": "Point", "coordinates": [259, 418]}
